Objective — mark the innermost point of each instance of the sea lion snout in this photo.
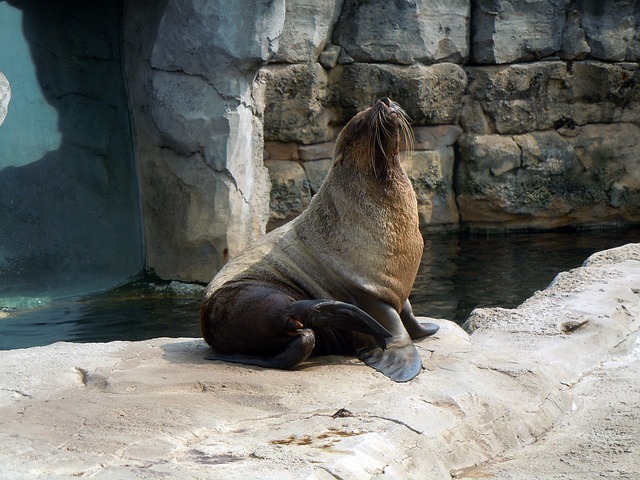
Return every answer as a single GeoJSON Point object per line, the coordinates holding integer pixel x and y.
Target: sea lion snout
{"type": "Point", "coordinates": [389, 107]}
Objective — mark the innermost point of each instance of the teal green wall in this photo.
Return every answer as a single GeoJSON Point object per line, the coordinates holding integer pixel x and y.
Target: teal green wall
{"type": "Point", "coordinates": [30, 128]}
{"type": "Point", "coordinates": [69, 208]}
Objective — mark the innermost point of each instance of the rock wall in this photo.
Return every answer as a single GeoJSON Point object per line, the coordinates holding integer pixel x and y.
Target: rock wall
{"type": "Point", "coordinates": [531, 109]}
{"type": "Point", "coordinates": [526, 113]}
{"type": "Point", "coordinates": [191, 67]}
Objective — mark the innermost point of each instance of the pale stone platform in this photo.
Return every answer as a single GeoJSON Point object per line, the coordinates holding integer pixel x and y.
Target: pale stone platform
{"type": "Point", "coordinates": [157, 409]}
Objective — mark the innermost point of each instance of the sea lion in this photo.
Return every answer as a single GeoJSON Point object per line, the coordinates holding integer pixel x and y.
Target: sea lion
{"type": "Point", "coordinates": [336, 279]}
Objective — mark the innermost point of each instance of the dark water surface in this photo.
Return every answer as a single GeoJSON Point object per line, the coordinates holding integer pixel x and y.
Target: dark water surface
{"type": "Point", "coordinates": [458, 273]}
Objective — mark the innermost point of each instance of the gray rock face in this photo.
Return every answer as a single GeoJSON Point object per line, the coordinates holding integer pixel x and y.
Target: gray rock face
{"type": "Point", "coordinates": [294, 109]}
{"type": "Point", "coordinates": [404, 32]}
{"type": "Point", "coordinates": [574, 41]}
{"type": "Point", "coordinates": [290, 193]}
{"type": "Point", "coordinates": [307, 30]}
{"type": "Point", "coordinates": [431, 95]}
{"type": "Point", "coordinates": [431, 170]}
{"type": "Point", "coordinates": [199, 143]}
{"type": "Point", "coordinates": [530, 97]}
{"type": "Point", "coordinates": [506, 31]}
{"type": "Point", "coordinates": [547, 180]}
{"type": "Point", "coordinates": [612, 29]}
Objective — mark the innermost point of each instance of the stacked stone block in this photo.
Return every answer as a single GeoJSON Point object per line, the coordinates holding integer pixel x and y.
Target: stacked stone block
{"type": "Point", "coordinates": [532, 107]}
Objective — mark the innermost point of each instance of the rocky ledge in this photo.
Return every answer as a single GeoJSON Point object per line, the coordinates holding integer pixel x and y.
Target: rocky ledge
{"type": "Point", "coordinates": [487, 404]}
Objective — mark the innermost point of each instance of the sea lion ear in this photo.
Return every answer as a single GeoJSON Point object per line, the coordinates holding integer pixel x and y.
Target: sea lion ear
{"type": "Point", "coordinates": [338, 159]}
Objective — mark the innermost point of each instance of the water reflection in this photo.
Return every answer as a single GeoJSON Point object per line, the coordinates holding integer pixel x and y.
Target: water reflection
{"type": "Point", "coordinates": [134, 312]}
{"type": "Point", "coordinates": [461, 272]}
{"type": "Point", "coordinates": [458, 273]}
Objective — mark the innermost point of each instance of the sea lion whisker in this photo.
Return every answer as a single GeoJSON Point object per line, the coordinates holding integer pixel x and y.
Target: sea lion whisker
{"type": "Point", "coordinates": [371, 153]}
{"type": "Point", "coordinates": [381, 124]}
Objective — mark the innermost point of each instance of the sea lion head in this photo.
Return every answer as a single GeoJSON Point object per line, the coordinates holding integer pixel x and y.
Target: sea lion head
{"type": "Point", "coordinates": [371, 140]}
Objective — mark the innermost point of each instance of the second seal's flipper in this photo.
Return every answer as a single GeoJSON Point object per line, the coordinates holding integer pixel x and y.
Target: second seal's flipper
{"type": "Point", "coordinates": [334, 314]}
{"type": "Point", "coordinates": [296, 351]}
{"type": "Point", "coordinates": [414, 328]}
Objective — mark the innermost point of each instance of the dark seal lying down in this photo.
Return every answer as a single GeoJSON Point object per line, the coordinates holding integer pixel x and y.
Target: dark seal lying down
{"type": "Point", "coordinates": [335, 280]}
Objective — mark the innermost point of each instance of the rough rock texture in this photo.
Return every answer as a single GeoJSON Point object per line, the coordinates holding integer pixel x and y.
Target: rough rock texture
{"type": "Point", "coordinates": [290, 191]}
{"type": "Point", "coordinates": [307, 29]}
{"type": "Point", "coordinates": [506, 31]}
{"type": "Point", "coordinates": [608, 427]}
{"type": "Point", "coordinates": [518, 385]}
{"type": "Point", "coordinates": [431, 168]}
{"type": "Point", "coordinates": [538, 96]}
{"type": "Point", "coordinates": [611, 29]}
{"type": "Point", "coordinates": [294, 110]}
{"type": "Point", "coordinates": [198, 117]}
{"type": "Point", "coordinates": [430, 94]}
{"type": "Point", "coordinates": [403, 32]}
{"type": "Point", "coordinates": [588, 175]}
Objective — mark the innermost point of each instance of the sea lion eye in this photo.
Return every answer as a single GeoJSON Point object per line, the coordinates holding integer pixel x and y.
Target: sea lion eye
{"type": "Point", "coordinates": [359, 123]}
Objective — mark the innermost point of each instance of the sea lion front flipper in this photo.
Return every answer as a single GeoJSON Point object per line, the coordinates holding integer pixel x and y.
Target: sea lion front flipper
{"type": "Point", "coordinates": [296, 351]}
{"type": "Point", "coordinates": [400, 361]}
{"type": "Point", "coordinates": [414, 328]}
{"type": "Point", "coordinates": [335, 314]}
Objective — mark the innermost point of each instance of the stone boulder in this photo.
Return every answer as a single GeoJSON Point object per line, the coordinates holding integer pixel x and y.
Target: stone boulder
{"type": "Point", "coordinates": [431, 95]}
{"type": "Point", "coordinates": [158, 409]}
{"type": "Point", "coordinates": [574, 40]}
{"type": "Point", "coordinates": [612, 29]}
{"type": "Point", "coordinates": [296, 173]}
{"type": "Point", "coordinates": [198, 119]}
{"type": "Point", "coordinates": [403, 32]}
{"type": "Point", "coordinates": [290, 193]}
{"type": "Point", "coordinates": [430, 168]}
{"type": "Point", "coordinates": [317, 171]}
{"type": "Point", "coordinates": [295, 98]}
{"type": "Point", "coordinates": [307, 29]}
{"type": "Point", "coordinates": [586, 176]}
{"type": "Point", "coordinates": [509, 31]}
{"type": "Point", "coordinates": [538, 96]}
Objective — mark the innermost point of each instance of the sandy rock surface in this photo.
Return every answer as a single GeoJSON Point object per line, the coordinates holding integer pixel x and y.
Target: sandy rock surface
{"type": "Point", "coordinates": [549, 387]}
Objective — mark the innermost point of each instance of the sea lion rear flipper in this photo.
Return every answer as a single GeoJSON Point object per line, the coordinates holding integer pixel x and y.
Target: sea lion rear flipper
{"type": "Point", "coordinates": [334, 314]}
{"type": "Point", "coordinates": [400, 361]}
{"type": "Point", "coordinates": [296, 351]}
{"type": "Point", "coordinates": [414, 328]}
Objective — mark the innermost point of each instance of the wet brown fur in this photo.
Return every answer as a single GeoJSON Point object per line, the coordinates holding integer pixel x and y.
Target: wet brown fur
{"type": "Point", "coordinates": [357, 242]}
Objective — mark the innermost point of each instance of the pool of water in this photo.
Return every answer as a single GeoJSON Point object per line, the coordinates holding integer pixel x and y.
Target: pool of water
{"type": "Point", "coordinates": [459, 272]}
